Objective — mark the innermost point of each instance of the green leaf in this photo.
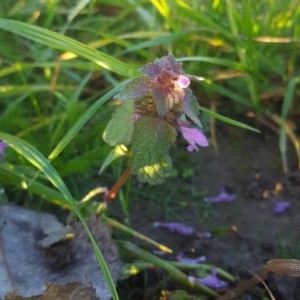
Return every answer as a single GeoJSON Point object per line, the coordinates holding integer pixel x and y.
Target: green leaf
{"type": "Point", "coordinates": [118, 151]}
{"type": "Point", "coordinates": [164, 98]}
{"type": "Point", "coordinates": [151, 140]}
{"type": "Point", "coordinates": [120, 127]}
{"type": "Point", "coordinates": [156, 173]}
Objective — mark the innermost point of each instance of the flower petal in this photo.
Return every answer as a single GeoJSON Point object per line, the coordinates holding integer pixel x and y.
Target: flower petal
{"type": "Point", "coordinates": [223, 196]}
{"type": "Point", "coordinates": [183, 81]}
{"type": "Point", "coordinates": [194, 137]}
{"type": "Point", "coordinates": [211, 281]}
{"type": "Point", "coordinates": [176, 227]}
{"type": "Point", "coordinates": [180, 257]}
{"type": "Point", "coordinates": [280, 207]}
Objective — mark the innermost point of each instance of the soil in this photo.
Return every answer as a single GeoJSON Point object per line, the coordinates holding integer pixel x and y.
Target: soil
{"type": "Point", "coordinates": [246, 233]}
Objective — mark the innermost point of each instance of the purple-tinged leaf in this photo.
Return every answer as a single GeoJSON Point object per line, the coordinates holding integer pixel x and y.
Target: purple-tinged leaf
{"type": "Point", "coordinates": [180, 257]}
{"type": "Point", "coordinates": [170, 64]}
{"type": "Point", "coordinates": [211, 281]}
{"type": "Point", "coordinates": [3, 146]}
{"type": "Point", "coordinates": [137, 88]}
{"type": "Point", "coordinates": [194, 137]}
{"type": "Point", "coordinates": [165, 97]}
{"type": "Point", "coordinates": [223, 196]}
{"type": "Point", "coordinates": [164, 64]}
{"type": "Point", "coordinates": [190, 107]}
{"type": "Point", "coordinates": [176, 227]}
{"type": "Point", "coordinates": [152, 69]}
{"type": "Point", "coordinates": [280, 207]}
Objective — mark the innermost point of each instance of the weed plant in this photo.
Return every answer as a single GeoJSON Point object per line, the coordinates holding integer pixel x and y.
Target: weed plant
{"type": "Point", "coordinates": [62, 61]}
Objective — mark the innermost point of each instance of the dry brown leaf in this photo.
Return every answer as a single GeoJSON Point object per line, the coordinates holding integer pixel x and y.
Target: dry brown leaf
{"type": "Point", "coordinates": [68, 291]}
{"type": "Point", "coordinates": [35, 253]}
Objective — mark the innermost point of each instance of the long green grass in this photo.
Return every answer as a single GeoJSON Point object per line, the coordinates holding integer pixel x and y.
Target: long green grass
{"type": "Point", "coordinates": [61, 61]}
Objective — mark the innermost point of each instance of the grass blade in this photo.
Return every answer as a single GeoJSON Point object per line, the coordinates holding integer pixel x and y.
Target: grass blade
{"type": "Point", "coordinates": [175, 273]}
{"type": "Point", "coordinates": [58, 41]}
{"type": "Point", "coordinates": [215, 61]}
{"type": "Point", "coordinates": [228, 120]}
{"type": "Point", "coordinates": [83, 119]}
{"type": "Point", "coordinates": [117, 225]}
{"type": "Point", "coordinates": [9, 175]}
{"type": "Point", "coordinates": [284, 129]}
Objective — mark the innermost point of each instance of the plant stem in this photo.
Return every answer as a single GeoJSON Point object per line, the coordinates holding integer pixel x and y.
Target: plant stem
{"type": "Point", "coordinates": [112, 193]}
{"type": "Point", "coordinates": [173, 272]}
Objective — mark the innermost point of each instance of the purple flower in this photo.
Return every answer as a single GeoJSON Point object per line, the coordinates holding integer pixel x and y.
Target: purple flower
{"type": "Point", "coordinates": [166, 83]}
{"type": "Point", "coordinates": [180, 257]}
{"type": "Point", "coordinates": [183, 81]}
{"type": "Point", "coordinates": [163, 92]}
{"type": "Point", "coordinates": [223, 196]}
{"type": "Point", "coordinates": [176, 227]}
{"type": "Point", "coordinates": [280, 207]}
{"type": "Point", "coordinates": [3, 146]}
{"type": "Point", "coordinates": [194, 137]}
{"type": "Point", "coordinates": [211, 281]}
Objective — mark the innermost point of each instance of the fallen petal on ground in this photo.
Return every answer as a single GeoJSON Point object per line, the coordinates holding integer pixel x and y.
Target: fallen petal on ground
{"type": "Point", "coordinates": [280, 207]}
{"type": "Point", "coordinates": [223, 196]}
{"type": "Point", "coordinates": [181, 258]}
{"type": "Point", "coordinates": [176, 227]}
{"type": "Point", "coordinates": [211, 281]}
